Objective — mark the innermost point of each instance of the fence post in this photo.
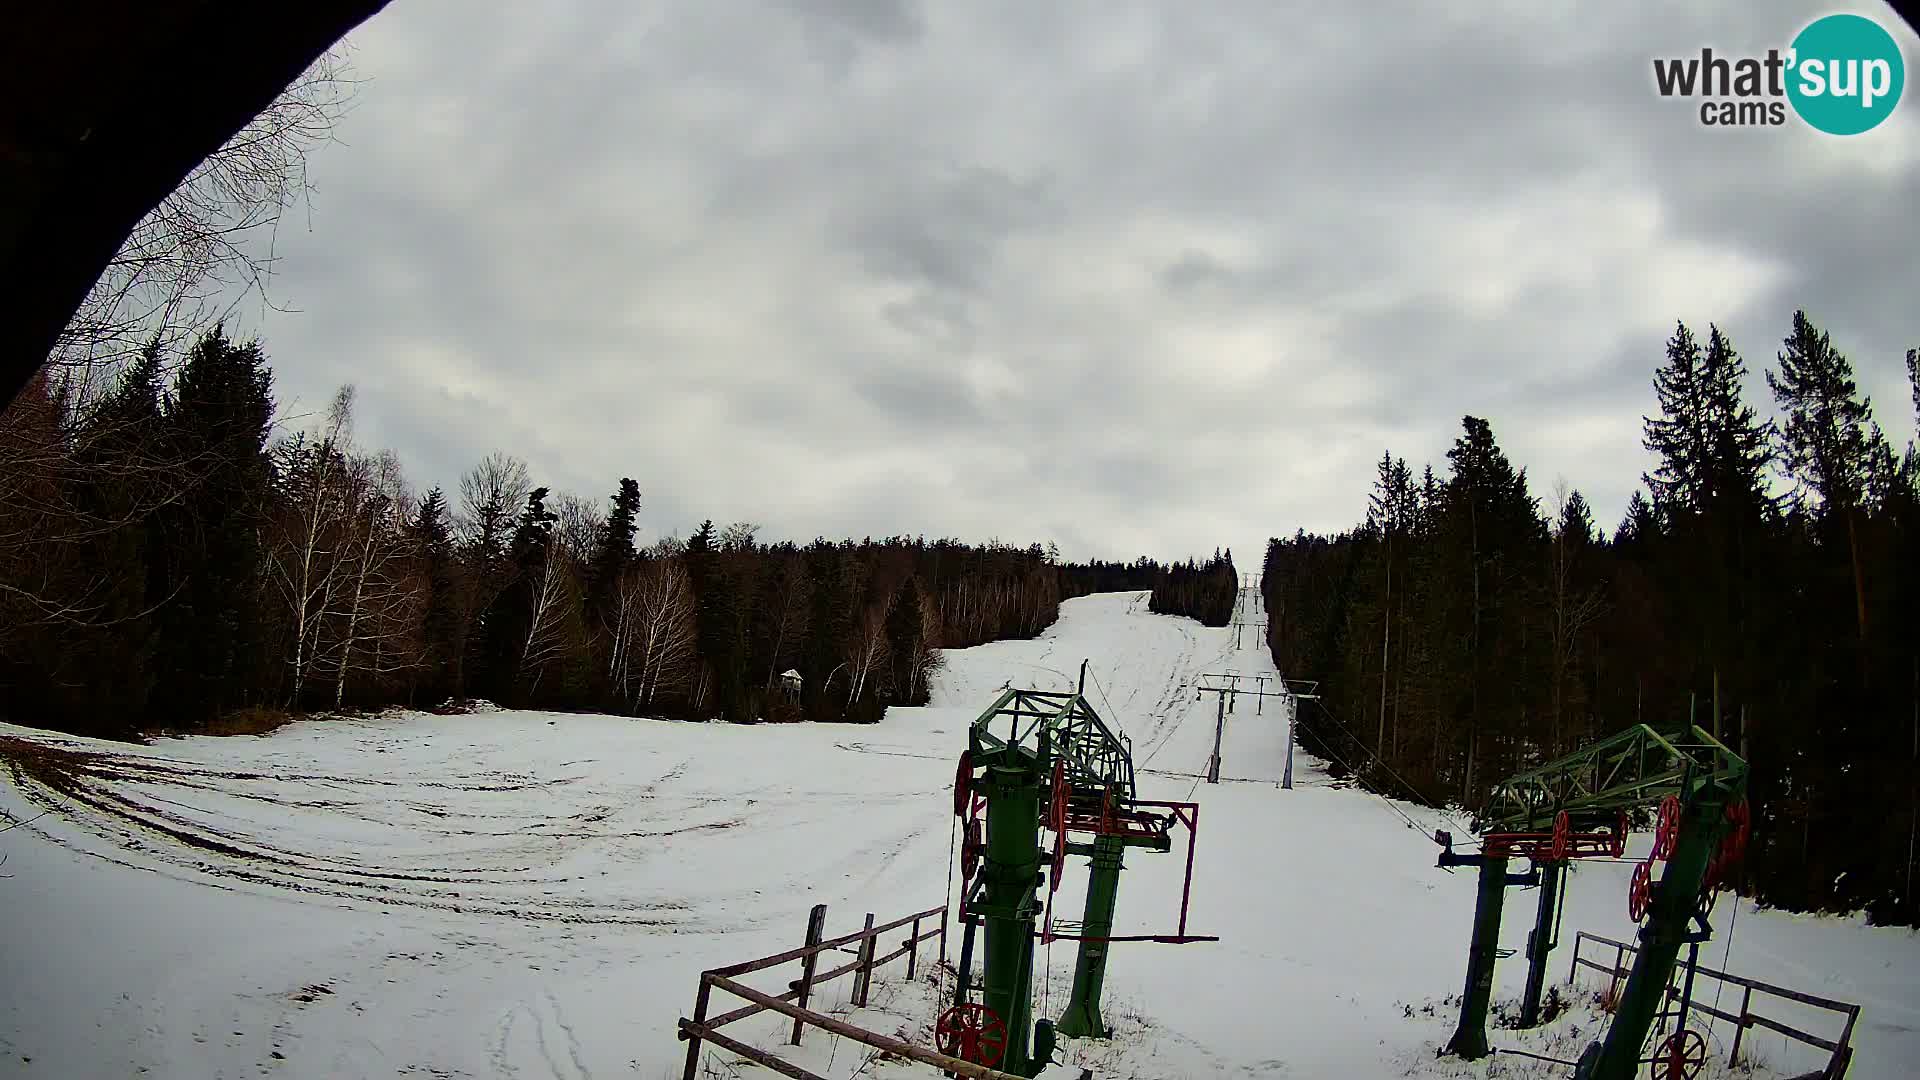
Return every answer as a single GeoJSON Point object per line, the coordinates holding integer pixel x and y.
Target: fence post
{"type": "Point", "coordinates": [1843, 1056]}
{"type": "Point", "coordinates": [943, 935]}
{"type": "Point", "coordinates": [913, 948]}
{"type": "Point", "coordinates": [863, 975]}
{"type": "Point", "coordinates": [1575, 965]}
{"type": "Point", "coordinates": [1740, 1031]}
{"type": "Point", "coordinates": [693, 1037]}
{"type": "Point", "coordinates": [816, 927]}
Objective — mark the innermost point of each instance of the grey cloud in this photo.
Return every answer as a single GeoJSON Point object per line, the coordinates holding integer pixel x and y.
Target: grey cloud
{"type": "Point", "coordinates": [1130, 276]}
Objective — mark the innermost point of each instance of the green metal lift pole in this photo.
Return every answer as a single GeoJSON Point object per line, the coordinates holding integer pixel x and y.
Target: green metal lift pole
{"type": "Point", "coordinates": [1010, 904]}
{"type": "Point", "coordinates": [1540, 942]}
{"type": "Point", "coordinates": [1470, 1037]}
{"type": "Point", "coordinates": [1082, 1018]}
{"type": "Point", "coordinates": [1675, 898]}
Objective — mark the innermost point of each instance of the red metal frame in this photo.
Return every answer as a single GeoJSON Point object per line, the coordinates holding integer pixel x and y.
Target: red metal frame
{"type": "Point", "coordinates": [1559, 844]}
{"type": "Point", "coordinates": [1132, 822]}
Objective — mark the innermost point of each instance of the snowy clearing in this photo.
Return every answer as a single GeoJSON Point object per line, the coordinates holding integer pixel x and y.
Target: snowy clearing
{"type": "Point", "coordinates": [515, 894]}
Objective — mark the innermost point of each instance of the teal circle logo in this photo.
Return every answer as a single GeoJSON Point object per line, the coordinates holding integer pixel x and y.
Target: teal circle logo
{"type": "Point", "coordinates": [1845, 74]}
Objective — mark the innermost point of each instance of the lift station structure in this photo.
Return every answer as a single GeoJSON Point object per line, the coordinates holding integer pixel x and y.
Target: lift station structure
{"type": "Point", "coordinates": [1044, 762]}
{"type": "Point", "coordinates": [1578, 806]}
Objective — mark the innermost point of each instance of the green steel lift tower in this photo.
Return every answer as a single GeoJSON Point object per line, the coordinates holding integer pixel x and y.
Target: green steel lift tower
{"type": "Point", "coordinates": [1044, 761]}
{"type": "Point", "coordinates": [1577, 807]}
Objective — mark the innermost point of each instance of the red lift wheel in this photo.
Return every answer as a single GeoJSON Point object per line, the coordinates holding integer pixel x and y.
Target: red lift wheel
{"type": "Point", "coordinates": [1640, 891]}
{"type": "Point", "coordinates": [1666, 832]}
{"type": "Point", "coordinates": [970, 850]}
{"type": "Point", "coordinates": [1618, 846]}
{"type": "Point", "coordinates": [1734, 848]}
{"type": "Point", "coordinates": [1059, 824]}
{"type": "Point", "coordinates": [1562, 836]}
{"type": "Point", "coordinates": [963, 784]}
{"type": "Point", "coordinates": [1681, 1057]}
{"type": "Point", "coordinates": [1058, 819]}
{"type": "Point", "coordinates": [971, 1032]}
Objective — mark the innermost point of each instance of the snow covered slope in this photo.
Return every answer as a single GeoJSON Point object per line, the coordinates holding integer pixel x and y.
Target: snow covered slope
{"type": "Point", "coordinates": [519, 894]}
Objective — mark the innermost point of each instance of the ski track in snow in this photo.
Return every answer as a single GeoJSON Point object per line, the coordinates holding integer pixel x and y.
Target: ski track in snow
{"type": "Point", "coordinates": [532, 895]}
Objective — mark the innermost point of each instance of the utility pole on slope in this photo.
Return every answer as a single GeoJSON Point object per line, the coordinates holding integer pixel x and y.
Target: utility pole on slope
{"type": "Point", "coordinates": [1226, 690]}
{"type": "Point", "coordinates": [1242, 619]}
{"type": "Point", "coordinates": [1293, 714]}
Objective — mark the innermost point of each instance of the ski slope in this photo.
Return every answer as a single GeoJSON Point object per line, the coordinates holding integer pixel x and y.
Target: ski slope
{"type": "Point", "coordinates": [530, 895]}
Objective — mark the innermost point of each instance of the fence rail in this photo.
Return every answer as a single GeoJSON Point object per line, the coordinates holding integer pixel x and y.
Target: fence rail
{"type": "Point", "coordinates": [1840, 1050]}
{"type": "Point", "coordinates": [701, 1028]}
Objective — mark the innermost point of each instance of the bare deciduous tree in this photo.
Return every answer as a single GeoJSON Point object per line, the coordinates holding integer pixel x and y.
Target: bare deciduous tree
{"type": "Point", "coordinates": [866, 649]}
{"type": "Point", "coordinates": [492, 494]}
{"type": "Point", "coordinates": [209, 244]}
{"type": "Point", "coordinates": [379, 619]}
{"type": "Point", "coordinates": [580, 524]}
{"type": "Point", "coordinates": [661, 653]}
{"type": "Point", "coordinates": [306, 537]}
{"type": "Point", "coordinates": [555, 603]}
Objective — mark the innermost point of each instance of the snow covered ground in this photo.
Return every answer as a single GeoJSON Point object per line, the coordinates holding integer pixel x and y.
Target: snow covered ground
{"type": "Point", "coordinates": [514, 894]}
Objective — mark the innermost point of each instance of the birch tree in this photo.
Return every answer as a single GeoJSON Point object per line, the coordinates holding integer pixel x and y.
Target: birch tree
{"type": "Point", "coordinates": [306, 551]}
{"type": "Point", "coordinates": [867, 649]}
{"type": "Point", "coordinates": [380, 617]}
{"type": "Point", "coordinates": [664, 632]}
{"type": "Point", "coordinates": [554, 605]}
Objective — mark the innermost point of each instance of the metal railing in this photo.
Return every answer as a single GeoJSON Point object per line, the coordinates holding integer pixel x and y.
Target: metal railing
{"type": "Point", "coordinates": [1839, 1050]}
{"type": "Point", "coordinates": [702, 1028]}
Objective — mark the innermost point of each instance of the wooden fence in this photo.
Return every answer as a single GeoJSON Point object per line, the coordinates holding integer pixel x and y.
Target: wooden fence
{"type": "Point", "coordinates": [1840, 1050]}
{"type": "Point", "coordinates": [701, 1028]}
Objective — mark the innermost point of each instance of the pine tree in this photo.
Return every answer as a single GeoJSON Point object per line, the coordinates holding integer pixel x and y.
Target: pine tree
{"type": "Point", "coordinates": [124, 471]}
{"type": "Point", "coordinates": [1913, 378]}
{"type": "Point", "coordinates": [1736, 442]}
{"type": "Point", "coordinates": [1679, 435]}
{"type": "Point", "coordinates": [1575, 522]}
{"type": "Point", "coordinates": [212, 652]}
{"type": "Point", "coordinates": [615, 553]}
{"type": "Point", "coordinates": [906, 642]}
{"type": "Point", "coordinates": [513, 616]}
{"type": "Point", "coordinates": [441, 624]}
{"type": "Point", "coordinates": [1390, 513]}
{"type": "Point", "coordinates": [1640, 525]}
{"type": "Point", "coordinates": [718, 619]}
{"type": "Point", "coordinates": [1574, 602]}
{"type": "Point", "coordinates": [1829, 441]}
{"type": "Point", "coordinates": [1493, 526]}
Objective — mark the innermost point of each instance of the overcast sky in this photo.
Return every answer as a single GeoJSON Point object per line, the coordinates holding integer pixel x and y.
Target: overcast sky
{"type": "Point", "coordinates": [1133, 277]}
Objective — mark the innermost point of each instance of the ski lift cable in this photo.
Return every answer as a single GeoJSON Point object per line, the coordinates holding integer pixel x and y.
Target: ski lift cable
{"type": "Point", "coordinates": [1732, 921]}
{"type": "Point", "coordinates": [1411, 823]}
{"type": "Point", "coordinates": [1410, 789]}
{"type": "Point", "coordinates": [940, 977]}
{"type": "Point", "coordinates": [1113, 714]}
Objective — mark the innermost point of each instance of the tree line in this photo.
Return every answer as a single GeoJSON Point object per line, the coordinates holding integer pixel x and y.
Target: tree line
{"type": "Point", "coordinates": [167, 559]}
{"type": "Point", "coordinates": [1203, 591]}
{"type": "Point", "coordinates": [1762, 586]}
